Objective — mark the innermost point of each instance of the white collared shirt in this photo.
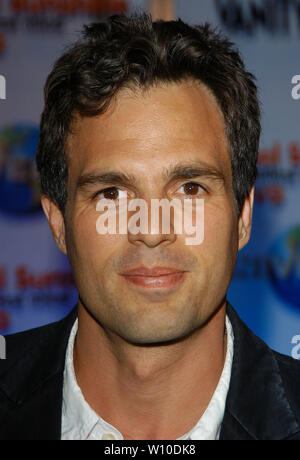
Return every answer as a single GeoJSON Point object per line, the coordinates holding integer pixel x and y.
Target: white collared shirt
{"type": "Point", "coordinates": [80, 421]}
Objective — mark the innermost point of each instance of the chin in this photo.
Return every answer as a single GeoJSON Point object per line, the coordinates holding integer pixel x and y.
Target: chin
{"type": "Point", "coordinates": [155, 336]}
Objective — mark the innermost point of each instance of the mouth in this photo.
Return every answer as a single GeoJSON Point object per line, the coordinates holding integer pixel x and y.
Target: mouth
{"type": "Point", "coordinates": [154, 278]}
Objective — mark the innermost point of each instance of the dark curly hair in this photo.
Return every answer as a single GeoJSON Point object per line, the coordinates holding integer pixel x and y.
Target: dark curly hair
{"type": "Point", "coordinates": [136, 52]}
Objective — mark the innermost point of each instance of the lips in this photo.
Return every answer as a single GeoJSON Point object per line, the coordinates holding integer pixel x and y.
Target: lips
{"type": "Point", "coordinates": [156, 277]}
{"type": "Point", "coordinates": [155, 271]}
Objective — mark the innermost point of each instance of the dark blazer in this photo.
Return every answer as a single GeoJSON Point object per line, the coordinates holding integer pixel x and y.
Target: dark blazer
{"type": "Point", "coordinates": [263, 402]}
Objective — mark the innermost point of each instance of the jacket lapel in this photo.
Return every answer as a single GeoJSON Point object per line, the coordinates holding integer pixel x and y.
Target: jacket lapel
{"type": "Point", "coordinates": [257, 406]}
{"type": "Point", "coordinates": [31, 394]}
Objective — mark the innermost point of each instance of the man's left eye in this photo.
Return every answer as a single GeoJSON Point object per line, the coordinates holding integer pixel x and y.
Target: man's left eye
{"type": "Point", "coordinates": [112, 193]}
{"type": "Point", "coordinates": [191, 188]}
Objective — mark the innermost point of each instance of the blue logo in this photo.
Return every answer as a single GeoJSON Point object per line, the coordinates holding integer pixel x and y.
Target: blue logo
{"type": "Point", "coordinates": [19, 182]}
{"type": "Point", "coordinates": [284, 266]}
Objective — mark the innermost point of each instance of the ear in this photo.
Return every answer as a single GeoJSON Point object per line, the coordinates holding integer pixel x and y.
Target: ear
{"type": "Point", "coordinates": [56, 222]}
{"type": "Point", "coordinates": [245, 220]}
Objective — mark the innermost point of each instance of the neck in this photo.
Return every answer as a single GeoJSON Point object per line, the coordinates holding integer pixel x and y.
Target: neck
{"type": "Point", "coordinates": [141, 390]}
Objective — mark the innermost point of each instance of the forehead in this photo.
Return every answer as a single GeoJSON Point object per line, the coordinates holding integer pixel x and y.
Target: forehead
{"type": "Point", "coordinates": [150, 130]}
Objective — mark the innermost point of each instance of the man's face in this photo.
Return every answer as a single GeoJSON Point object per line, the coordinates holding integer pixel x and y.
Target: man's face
{"type": "Point", "coordinates": [145, 139]}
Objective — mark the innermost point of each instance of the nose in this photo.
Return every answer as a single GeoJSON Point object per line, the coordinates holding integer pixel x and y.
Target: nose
{"type": "Point", "coordinates": [151, 241]}
{"type": "Point", "coordinates": [151, 225]}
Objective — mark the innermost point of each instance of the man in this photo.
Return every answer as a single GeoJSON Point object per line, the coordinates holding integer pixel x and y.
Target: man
{"type": "Point", "coordinates": [141, 111]}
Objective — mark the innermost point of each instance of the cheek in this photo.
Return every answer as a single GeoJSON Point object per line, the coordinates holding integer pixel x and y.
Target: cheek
{"type": "Point", "coordinates": [220, 233]}
{"type": "Point", "coordinates": [88, 248]}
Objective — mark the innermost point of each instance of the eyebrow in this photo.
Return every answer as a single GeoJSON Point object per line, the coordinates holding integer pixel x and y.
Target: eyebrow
{"type": "Point", "coordinates": [112, 177]}
{"type": "Point", "coordinates": [180, 171]}
{"type": "Point", "coordinates": [190, 171]}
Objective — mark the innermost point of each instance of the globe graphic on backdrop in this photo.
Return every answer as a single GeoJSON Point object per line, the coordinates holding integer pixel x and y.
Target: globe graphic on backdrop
{"type": "Point", "coordinates": [284, 266]}
{"type": "Point", "coordinates": [19, 183]}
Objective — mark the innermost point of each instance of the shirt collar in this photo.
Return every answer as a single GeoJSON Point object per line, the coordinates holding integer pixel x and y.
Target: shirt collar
{"type": "Point", "coordinates": [81, 422]}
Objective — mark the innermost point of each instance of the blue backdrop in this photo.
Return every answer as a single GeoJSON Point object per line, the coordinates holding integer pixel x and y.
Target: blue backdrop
{"type": "Point", "coordinates": [36, 285]}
